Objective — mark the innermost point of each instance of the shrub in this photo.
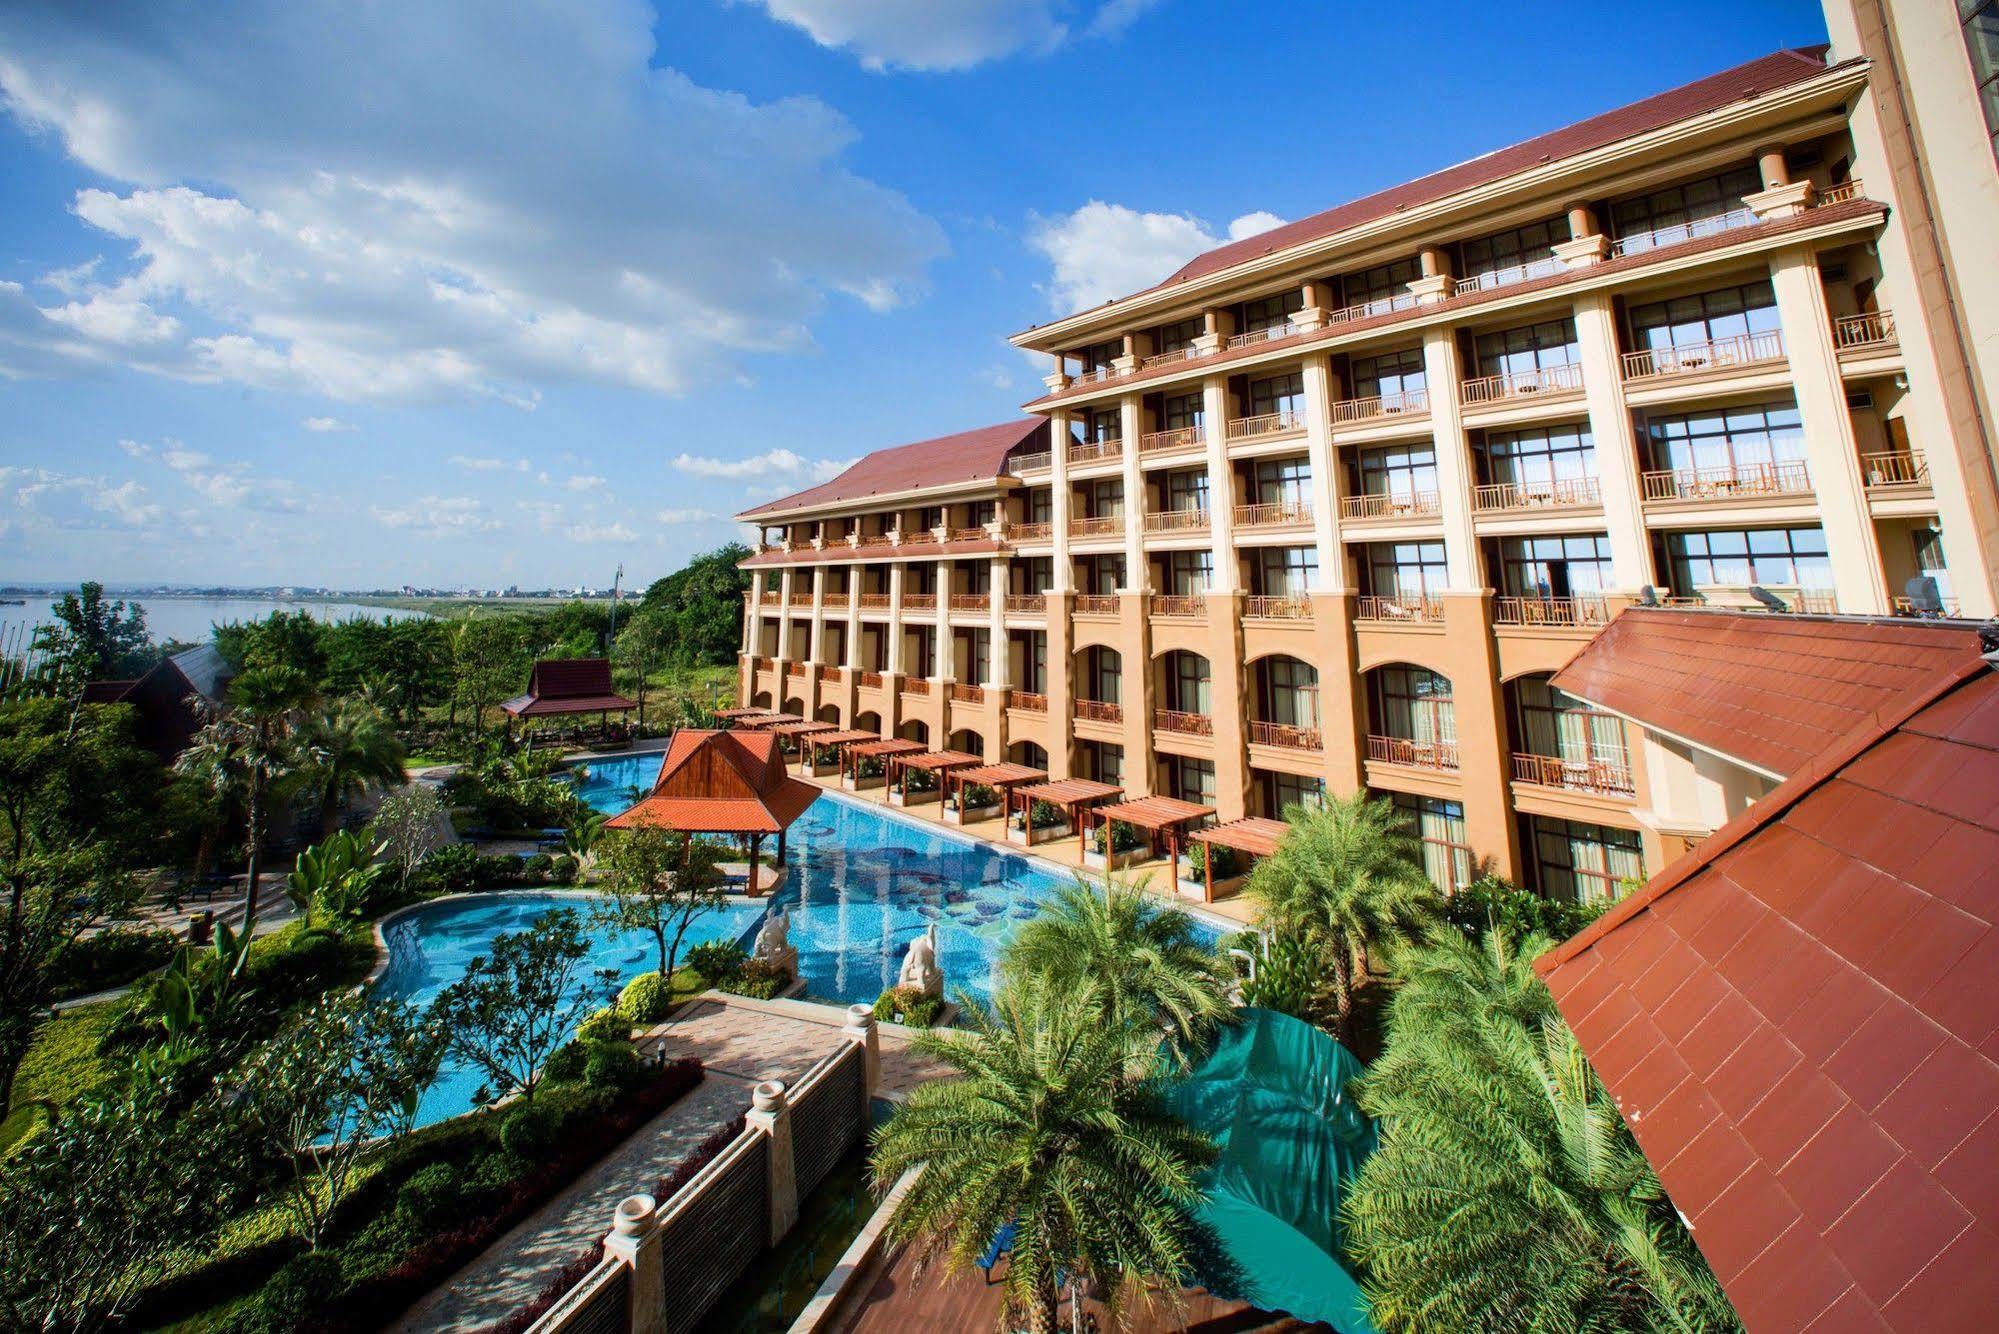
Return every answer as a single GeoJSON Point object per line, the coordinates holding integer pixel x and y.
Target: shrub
{"type": "Point", "coordinates": [1044, 815]}
{"type": "Point", "coordinates": [1123, 838]}
{"type": "Point", "coordinates": [907, 1005]}
{"type": "Point", "coordinates": [531, 1129]}
{"type": "Point", "coordinates": [565, 1064]}
{"type": "Point", "coordinates": [976, 795]}
{"type": "Point", "coordinates": [296, 1294]}
{"type": "Point", "coordinates": [759, 979]}
{"type": "Point", "coordinates": [646, 999]}
{"type": "Point", "coordinates": [1492, 900]}
{"type": "Point", "coordinates": [110, 958]}
{"type": "Point", "coordinates": [538, 869]}
{"type": "Point", "coordinates": [451, 869]}
{"type": "Point", "coordinates": [1227, 861]}
{"type": "Point", "coordinates": [607, 1025]}
{"type": "Point", "coordinates": [563, 868]}
{"type": "Point", "coordinates": [718, 960]}
{"type": "Point", "coordinates": [614, 1066]}
{"type": "Point", "coordinates": [432, 1196]}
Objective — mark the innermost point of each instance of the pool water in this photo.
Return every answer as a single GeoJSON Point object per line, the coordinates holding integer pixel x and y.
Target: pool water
{"type": "Point", "coordinates": [614, 784]}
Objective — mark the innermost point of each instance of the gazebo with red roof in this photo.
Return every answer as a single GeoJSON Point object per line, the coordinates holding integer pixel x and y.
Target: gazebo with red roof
{"type": "Point", "coordinates": [558, 687]}
{"type": "Point", "coordinates": [730, 783]}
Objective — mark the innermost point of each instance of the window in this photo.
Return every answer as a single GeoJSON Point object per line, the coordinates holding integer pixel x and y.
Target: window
{"type": "Point", "coordinates": [1283, 791]}
{"type": "Point", "coordinates": [1525, 251]}
{"type": "Point", "coordinates": [1189, 779]}
{"type": "Point", "coordinates": [1554, 567]}
{"type": "Point", "coordinates": [1536, 460]}
{"type": "Point", "coordinates": [1741, 439]}
{"type": "Point", "coordinates": [1187, 490]}
{"type": "Point", "coordinates": [1100, 576]}
{"type": "Point", "coordinates": [923, 662]}
{"type": "Point", "coordinates": [919, 577]}
{"type": "Point", "coordinates": [1103, 676]}
{"type": "Point", "coordinates": [1283, 481]}
{"type": "Point", "coordinates": [1406, 473]}
{"type": "Point", "coordinates": [1412, 703]}
{"type": "Point", "coordinates": [1282, 572]}
{"type": "Point", "coordinates": [1182, 412]}
{"type": "Point", "coordinates": [1532, 347]}
{"type": "Point", "coordinates": [1387, 375]}
{"type": "Point", "coordinates": [1100, 426]}
{"type": "Point", "coordinates": [1696, 208]}
{"type": "Point", "coordinates": [1105, 498]}
{"type": "Point", "coordinates": [1271, 311]}
{"type": "Point", "coordinates": [1102, 762]}
{"type": "Point", "coordinates": [1287, 692]}
{"type": "Point", "coordinates": [1101, 356]}
{"type": "Point", "coordinates": [930, 516]}
{"type": "Point", "coordinates": [1440, 826]}
{"type": "Point", "coordinates": [1929, 559]}
{"type": "Point", "coordinates": [1583, 863]}
{"type": "Point", "coordinates": [1034, 662]}
{"type": "Point", "coordinates": [1174, 337]}
{"type": "Point", "coordinates": [1188, 573]}
{"type": "Point", "coordinates": [1277, 393]}
{"type": "Point", "coordinates": [1981, 35]}
{"type": "Point", "coordinates": [1188, 678]}
{"type": "Point", "coordinates": [1793, 557]}
{"type": "Point", "coordinates": [982, 513]}
{"type": "Point", "coordinates": [1405, 569]}
{"type": "Point", "coordinates": [1384, 287]}
{"type": "Point", "coordinates": [1706, 317]}
{"type": "Point", "coordinates": [1552, 722]}
{"type": "Point", "coordinates": [1040, 505]}
{"type": "Point", "coordinates": [977, 576]}
{"type": "Point", "coordinates": [1035, 574]}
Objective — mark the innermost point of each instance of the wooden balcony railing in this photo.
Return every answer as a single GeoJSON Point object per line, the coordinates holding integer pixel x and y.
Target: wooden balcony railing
{"type": "Point", "coordinates": [875, 542]}
{"type": "Point", "coordinates": [828, 674]}
{"type": "Point", "coordinates": [1100, 525]}
{"type": "Point", "coordinates": [1026, 701]}
{"type": "Point", "coordinates": [1387, 405]}
{"type": "Point", "coordinates": [1175, 521]}
{"type": "Point", "coordinates": [919, 602]}
{"type": "Point", "coordinates": [1021, 464]}
{"type": "Point", "coordinates": [1171, 355]}
{"type": "Point", "coordinates": [1555, 493]}
{"type": "Point", "coordinates": [1180, 437]}
{"type": "Point", "coordinates": [1728, 483]}
{"type": "Point", "coordinates": [915, 685]}
{"type": "Point", "coordinates": [1416, 754]}
{"type": "Point", "coordinates": [870, 680]}
{"type": "Point", "coordinates": [1089, 451]}
{"type": "Point", "coordinates": [961, 694]}
{"type": "Point", "coordinates": [980, 534]}
{"type": "Point", "coordinates": [1285, 736]}
{"type": "Point", "coordinates": [1270, 333]}
{"type": "Point", "coordinates": [1721, 354]}
{"type": "Point", "coordinates": [1602, 777]}
{"type": "Point", "coordinates": [1266, 426]}
{"type": "Point", "coordinates": [1096, 375]}
{"type": "Point", "coordinates": [1273, 514]}
{"type": "Point", "coordinates": [771, 598]}
{"type": "Point", "coordinates": [833, 601]}
{"type": "Point", "coordinates": [1177, 605]}
{"type": "Point", "coordinates": [1409, 505]}
{"type": "Point", "coordinates": [971, 602]}
{"type": "Point", "coordinates": [1033, 604]}
{"type": "Point", "coordinates": [1506, 277]}
{"type": "Point", "coordinates": [1029, 532]}
{"type": "Point", "coordinates": [1367, 310]}
{"type": "Point", "coordinates": [1556, 613]}
{"type": "Point", "coordinates": [1398, 609]}
{"type": "Point", "coordinates": [1296, 607]}
{"type": "Point", "coordinates": [794, 670]}
{"type": "Point", "coordinates": [1182, 724]}
{"type": "Point", "coordinates": [1892, 468]}
{"type": "Point", "coordinates": [1637, 243]}
{"type": "Point", "coordinates": [1096, 604]}
{"type": "Point", "coordinates": [873, 601]}
{"type": "Point", "coordinates": [1097, 711]}
{"type": "Point", "coordinates": [799, 600]}
{"type": "Point", "coordinates": [1875, 329]}
{"type": "Point", "coordinates": [1523, 384]}
{"type": "Point", "coordinates": [1837, 194]}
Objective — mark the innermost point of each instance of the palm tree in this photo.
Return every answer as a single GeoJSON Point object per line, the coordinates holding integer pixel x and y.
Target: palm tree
{"type": "Point", "coordinates": [1507, 1192]}
{"type": "Point", "coordinates": [246, 747]}
{"type": "Point", "coordinates": [1046, 1132]}
{"type": "Point", "coordinates": [1346, 879]}
{"type": "Point", "coordinates": [1147, 965]}
{"type": "Point", "coordinates": [344, 750]}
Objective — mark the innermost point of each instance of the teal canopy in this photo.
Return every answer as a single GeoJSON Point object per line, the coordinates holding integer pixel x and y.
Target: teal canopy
{"type": "Point", "coordinates": [1273, 1096]}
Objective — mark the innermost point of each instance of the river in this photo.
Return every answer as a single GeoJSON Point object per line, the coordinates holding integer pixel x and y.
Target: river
{"type": "Point", "coordinates": [191, 619]}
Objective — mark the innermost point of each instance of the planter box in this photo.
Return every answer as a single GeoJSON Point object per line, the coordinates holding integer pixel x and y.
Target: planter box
{"type": "Point", "coordinates": [1117, 861]}
{"type": "Point", "coordinates": [897, 797]}
{"type": "Point", "coordinates": [1028, 837]}
{"type": "Point", "coordinates": [853, 784]}
{"type": "Point", "coordinates": [972, 816]}
{"type": "Point", "coordinates": [1197, 891]}
{"type": "Point", "coordinates": [822, 769]}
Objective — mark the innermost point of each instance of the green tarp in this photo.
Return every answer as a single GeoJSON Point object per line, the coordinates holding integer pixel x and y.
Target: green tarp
{"type": "Point", "coordinates": [1273, 1095]}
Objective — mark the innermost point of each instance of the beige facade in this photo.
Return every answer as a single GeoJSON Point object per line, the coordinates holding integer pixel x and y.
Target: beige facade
{"type": "Point", "coordinates": [1328, 516]}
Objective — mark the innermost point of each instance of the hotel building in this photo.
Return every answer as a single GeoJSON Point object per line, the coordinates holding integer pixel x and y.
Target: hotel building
{"type": "Point", "coordinates": [1327, 508]}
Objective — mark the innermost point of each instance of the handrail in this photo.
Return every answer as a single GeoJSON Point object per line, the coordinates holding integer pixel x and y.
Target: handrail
{"type": "Point", "coordinates": [1098, 711]}
{"type": "Point", "coordinates": [1551, 494]}
{"type": "Point", "coordinates": [1520, 384]}
{"type": "Point", "coordinates": [1100, 525]}
{"type": "Point", "coordinates": [1026, 463]}
{"type": "Point", "coordinates": [1608, 778]}
{"type": "Point", "coordinates": [919, 602]}
{"type": "Point", "coordinates": [1179, 437]}
{"type": "Point", "coordinates": [1096, 604]}
{"type": "Point", "coordinates": [1560, 613]}
{"type": "Point", "coordinates": [833, 600]}
{"type": "Point", "coordinates": [1383, 405]}
{"type": "Point", "coordinates": [1029, 532]}
{"type": "Point", "coordinates": [1398, 609]}
{"type": "Point", "coordinates": [1285, 736]}
{"type": "Point", "coordinates": [1295, 607]}
{"type": "Point", "coordinates": [1268, 424]}
{"type": "Point", "coordinates": [1839, 193]}
{"type": "Point", "coordinates": [1874, 328]}
{"type": "Point", "coordinates": [1027, 701]}
{"type": "Point", "coordinates": [1366, 310]}
{"type": "Point", "coordinates": [1173, 521]}
{"type": "Point", "coordinates": [1087, 451]}
{"type": "Point", "coordinates": [873, 601]}
{"type": "Point", "coordinates": [1892, 468]}
{"type": "Point", "coordinates": [979, 534]}
{"type": "Point", "coordinates": [971, 602]}
{"type": "Point", "coordinates": [1506, 277]}
{"type": "Point", "coordinates": [1182, 723]}
{"type": "Point", "coordinates": [870, 680]}
{"type": "Point", "coordinates": [1177, 605]}
{"type": "Point", "coordinates": [1415, 754]}
{"type": "Point", "coordinates": [1027, 602]}
{"type": "Point", "coordinates": [1273, 513]}
{"type": "Point", "coordinates": [1674, 233]}
{"type": "Point", "coordinates": [1187, 353]}
{"type": "Point", "coordinates": [1726, 483]}
{"type": "Point", "coordinates": [915, 685]}
{"type": "Point", "coordinates": [965, 694]}
{"type": "Point", "coordinates": [1269, 333]}
{"type": "Point", "coordinates": [1720, 354]}
{"type": "Point", "coordinates": [1390, 506]}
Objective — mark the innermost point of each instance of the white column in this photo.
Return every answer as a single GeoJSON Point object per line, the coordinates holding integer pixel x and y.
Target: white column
{"type": "Point", "coordinates": [998, 665]}
{"type": "Point", "coordinates": [1221, 488]}
{"type": "Point", "coordinates": [1442, 373]}
{"type": "Point", "coordinates": [895, 581]}
{"type": "Point", "coordinates": [1064, 580]}
{"type": "Point", "coordinates": [947, 643]}
{"type": "Point", "coordinates": [818, 641]}
{"type": "Point", "coordinates": [756, 617]}
{"type": "Point", "coordinates": [1830, 450]}
{"type": "Point", "coordinates": [784, 616]}
{"type": "Point", "coordinates": [1131, 424]}
{"type": "Point", "coordinates": [1615, 442]}
{"type": "Point", "coordinates": [1325, 490]}
{"type": "Point", "coordinates": [855, 580]}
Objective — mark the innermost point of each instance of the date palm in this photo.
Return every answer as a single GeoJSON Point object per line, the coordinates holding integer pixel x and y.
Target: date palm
{"type": "Point", "coordinates": [343, 751]}
{"type": "Point", "coordinates": [1044, 1131]}
{"type": "Point", "coordinates": [246, 748]}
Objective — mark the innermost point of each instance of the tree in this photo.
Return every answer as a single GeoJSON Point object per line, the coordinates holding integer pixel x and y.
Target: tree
{"type": "Point", "coordinates": [1045, 1131]}
{"type": "Point", "coordinates": [336, 877]}
{"type": "Point", "coordinates": [487, 661]}
{"type": "Point", "coordinates": [52, 899]}
{"type": "Point", "coordinates": [95, 639]}
{"type": "Point", "coordinates": [343, 750]}
{"type": "Point", "coordinates": [641, 648]}
{"type": "Point", "coordinates": [703, 602]}
{"type": "Point", "coordinates": [1507, 1192]}
{"type": "Point", "coordinates": [661, 881]}
{"type": "Point", "coordinates": [246, 747]}
{"type": "Point", "coordinates": [1144, 964]}
{"type": "Point", "coordinates": [518, 1003]}
{"type": "Point", "coordinates": [296, 640]}
{"type": "Point", "coordinates": [1345, 879]}
{"type": "Point", "coordinates": [409, 825]}
{"type": "Point", "coordinates": [338, 1085]}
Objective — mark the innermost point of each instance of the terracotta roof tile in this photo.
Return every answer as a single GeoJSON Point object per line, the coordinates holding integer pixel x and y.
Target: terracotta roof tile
{"type": "Point", "coordinates": [967, 456]}
{"type": "Point", "coordinates": [722, 782]}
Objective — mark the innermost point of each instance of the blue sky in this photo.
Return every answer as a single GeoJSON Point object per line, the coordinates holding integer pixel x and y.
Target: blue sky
{"type": "Point", "coordinates": [363, 295]}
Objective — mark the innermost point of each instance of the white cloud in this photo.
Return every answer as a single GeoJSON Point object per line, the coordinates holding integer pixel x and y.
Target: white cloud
{"type": "Point", "coordinates": [71, 281]}
{"type": "Point", "coordinates": [686, 516]}
{"type": "Point", "coordinates": [125, 502]}
{"type": "Point", "coordinates": [948, 34]}
{"type": "Point", "coordinates": [322, 425]}
{"type": "Point", "coordinates": [32, 490]}
{"type": "Point", "coordinates": [438, 516]}
{"type": "Point", "coordinates": [600, 532]}
{"type": "Point", "coordinates": [399, 204]}
{"type": "Point", "coordinates": [999, 377]}
{"type": "Point", "coordinates": [585, 482]}
{"type": "Point", "coordinates": [773, 461]}
{"type": "Point", "coordinates": [1104, 250]}
{"type": "Point", "coordinates": [489, 465]}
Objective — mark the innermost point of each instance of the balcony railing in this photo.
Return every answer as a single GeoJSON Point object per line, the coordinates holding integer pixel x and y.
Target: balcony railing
{"type": "Point", "coordinates": [1029, 532]}
{"type": "Point", "coordinates": [1506, 277]}
{"type": "Point", "coordinates": [1602, 777]}
{"type": "Point", "coordinates": [971, 602]}
{"type": "Point", "coordinates": [1729, 483]}
{"type": "Point", "coordinates": [1400, 610]}
{"type": "Point", "coordinates": [1875, 329]}
{"type": "Point", "coordinates": [1673, 233]}
{"type": "Point", "coordinates": [799, 600]}
{"type": "Point", "coordinates": [1180, 437]}
{"type": "Point", "coordinates": [1721, 354]}
{"type": "Point", "coordinates": [1367, 310]}
{"type": "Point", "coordinates": [979, 534]}
{"type": "Point", "coordinates": [871, 680]}
{"type": "Point", "coordinates": [915, 685]}
{"type": "Point", "coordinates": [1175, 521]}
{"type": "Point", "coordinates": [1096, 375]}
{"type": "Point", "coordinates": [832, 600]}
{"type": "Point", "coordinates": [1837, 194]}
{"type": "Point", "coordinates": [828, 674]}
{"type": "Point", "coordinates": [1026, 701]}
{"type": "Point", "coordinates": [875, 542]}
{"type": "Point", "coordinates": [1096, 604]}
{"type": "Point", "coordinates": [1020, 464]}
{"type": "Point", "coordinates": [1088, 451]}
{"type": "Point", "coordinates": [1097, 711]}
{"type": "Point", "coordinates": [1556, 613]}
{"type": "Point", "coordinates": [1273, 514]}
{"type": "Point", "coordinates": [1892, 468]}
{"type": "Point", "coordinates": [1101, 525]}
{"type": "Point", "coordinates": [1416, 754]}
{"type": "Point", "coordinates": [1385, 405]}
{"type": "Point", "coordinates": [1285, 736]}
{"type": "Point", "coordinates": [1182, 724]}
{"type": "Point", "coordinates": [1177, 605]}
{"type": "Point", "coordinates": [1269, 333]}
{"type": "Point", "coordinates": [919, 602]}
{"type": "Point", "coordinates": [968, 694]}
{"type": "Point", "coordinates": [1268, 425]}
{"type": "Point", "coordinates": [1408, 506]}
{"type": "Point", "coordinates": [1032, 604]}
{"type": "Point", "coordinates": [873, 601]}
{"type": "Point", "coordinates": [1555, 493]}
{"type": "Point", "coordinates": [1523, 384]}
{"type": "Point", "coordinates": [1171, 355]}
{"type": "Point", "coordinates": [1296, 607]}
{"type": "Point", "coordinates": [794, 670]}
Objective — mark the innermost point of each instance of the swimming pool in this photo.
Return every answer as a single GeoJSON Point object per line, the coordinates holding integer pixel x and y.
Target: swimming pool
{"type": "Point", "coordinates": [617, 782]}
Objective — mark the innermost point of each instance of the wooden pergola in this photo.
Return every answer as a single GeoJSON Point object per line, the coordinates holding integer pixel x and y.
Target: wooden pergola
{"type": "Point", "coordinates": [796, 733]}
{"type": "Point", "coordinates": [738, 714]}
{"type": "Point", "coordinates": [1162, 818]}
{"type": "Point", "coordinates": [937, 763]}
{"type": "Point", "coordinates": [765, 721]}
{"type": "Point", "coordinates": [816, 742]}
{"type": "Point", "coordinates": [1002, 778]}
{"type": "Point", "coordinates": [1074, 797]}
{"type": "Point", "coordinates": [874, 750]}
{"type": "Point", "coordinates": [1253, 836]}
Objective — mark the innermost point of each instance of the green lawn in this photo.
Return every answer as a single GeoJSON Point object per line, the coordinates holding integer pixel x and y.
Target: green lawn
{"type": "Point", "coordinates": [62, 1063]}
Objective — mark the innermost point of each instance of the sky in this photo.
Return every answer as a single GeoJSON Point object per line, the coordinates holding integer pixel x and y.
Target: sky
{"type": "Point", "coordinates": [449, 293]}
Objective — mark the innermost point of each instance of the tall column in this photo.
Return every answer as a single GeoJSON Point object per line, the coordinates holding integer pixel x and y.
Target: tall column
{"type": "Point", "coordinates": [1229, 689]}
{"type": "Point", "coordinates": [1058, 508]}
{"type": "Point", "coordinates": [1131, 413]}
{"type": "Point", "coordinates": [1135, 652]}
{"type": "Point", "coordinates": [1221, 487]}
{"type": "Point", "coordinates": [784, 646]}
{"type": "Point", "coordinates": [855, 580]}
{"type": "Point", "coordinates": [1615, 442]}
{"type": "Point", "coordinates": [770, 1116]}
{"type": "Point", "coordinates": [1325, 491]}
{"type": "Point", "coordinates": [759, 581]}
{"type": "Point", "coordinates": [1484, 763]}
{"type": "Point", "coordinates": [1850, 539]}
{"type": "Point", "coordinates": [818, 640]}
{"type": "Point", "coordinates": [947, 641]}
{"type": "Point", "coordinates": [895, 650]}
{"type": "Point", "coordinates": [1442, 372]}
{"type": "Point", "coordinates": [997, 656]}
{"type": "Point", "coordinates": [1060, 685]}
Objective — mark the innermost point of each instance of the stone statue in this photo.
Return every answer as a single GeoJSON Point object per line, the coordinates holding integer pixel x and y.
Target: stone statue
{"type": "Point", "coordinates": [919, 966]}
{"type": "Point", "coordinates": [773, 943]}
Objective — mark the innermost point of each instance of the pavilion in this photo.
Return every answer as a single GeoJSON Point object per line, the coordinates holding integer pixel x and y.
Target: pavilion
{"type": "Point", "coordinates": [563, 687]}
{"type": "Point", "coordinates": [1164, 819]}
{"type": "Point", "coordinates": [1253, 836]}
{"type": "Point", "coordinates": [729, 783]}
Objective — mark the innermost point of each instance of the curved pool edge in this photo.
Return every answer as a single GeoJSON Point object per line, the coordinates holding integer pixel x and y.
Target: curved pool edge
{"type": "Point", "coordinates": [382, 923]}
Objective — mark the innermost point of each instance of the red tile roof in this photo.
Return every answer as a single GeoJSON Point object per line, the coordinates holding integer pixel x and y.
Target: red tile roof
{"type": "Point", "coordinates": [1767, 691]}
{"type": "Point", "coordinates": [722, 783]}
{"type": "Point", "coordinates": [568, 685]}
{"type": "Point", "coordinates": [968, 456]}
{"type": "Point", "coordinates": [1800, 1023]}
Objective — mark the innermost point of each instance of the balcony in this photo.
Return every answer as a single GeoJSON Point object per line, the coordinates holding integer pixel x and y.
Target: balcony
{"type": "Point", "coordinates": [1742, 350]}
{"type": "Point", "coordinates": [1414, 754]}
{"type": "Point", "coordinates": [870, 680]}
{"type": "Point", "coordinates": [1523, 384]}
{"type": "Point", "coordinates": [1350, 410]}
{"type": "Point", "coordinates": [799, 600]}
{"type": "Point", "coordinates": [1172, 355]}
{"type": "Point", "coordinates": [1098, 711]}
{"type": "Point", "coordinates": [1089, 451]}
{"type": "Point", "coordinates": [1399, 610]}
{"type": "Point", "coordinates": [834, 601]}
{"type": "Point", "coordinates": [1100, 525]}
{"type": "Point", "coordinates": [771, 598]}
{"type": "Point", "coordinates": [1269, 333]}
{"type": "Point", "coordinates": [794, 671]}
{"type": "Point", "coordinates": [875, 541]}
{"type": "Point", "coordinates": [1367, 310]}
{"type": "Point", "coordinates": [1729, 483]}
{"type": "Point", "coordinates": [978, 534]}
{"type": "Point", "coordinates": [1180, 437]}
{"type": "Point", "coordinates": [1175, 521]}
{"type": "Point", "coordinates": [1508, 276]}
{"type": "Point", "coordinates": [1027, 604]}
{"type": "Point", "coordinates": [1673, 234]}
{"type": "Point", "coordinates": [1598, 777]}
{"type": "Point", "coordinates": [1026, 701]}
{"type": "Point", "coordinates": [1837, 194]}
{"type": "Point", "coordinates": [1266, 427]}
{"type": "Point", "coordinates": [1178, 606]}
{"type": "Point", "coordinates": [1030, 532]}
{"type": "Point", "coordinates": [872, 601]}
{"type": "Point", "coordinates": [1555, 493]}
{"type": "Point", "coordinates": [1182, 724]}
{"type": "Point", "coordinates": [919, 602]}
{"type": "Point", "coordinates": [1022, 464]}
{"type": "Point", "coordinates": [1872, 332]}
{"type": "Point", "coordinates": [1293, 607]}
{"type": "Point", "coordinates": [1096, 375]}
{"type": "Point", "coordinates": [1412, 505]}
{"type": "Point", "coordinates": [1273, 514]}
{"type": "Point", "coordinates": [1096, 604]}
{"type": "Point", "coordinates": [915, 685]}
{"type": "Point", "coordinates": [828, 675]}
{"type": "Point", "coordinates": [1576, 613]}
{"type": "Point", "coordinates": [1285, 736]}
{"type": "Point", "coordinates": [976, 602]}
{"type": "Point", "coordinates": [968, 694]}
{"type": "Point", "coordinates": [1891, 469]}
